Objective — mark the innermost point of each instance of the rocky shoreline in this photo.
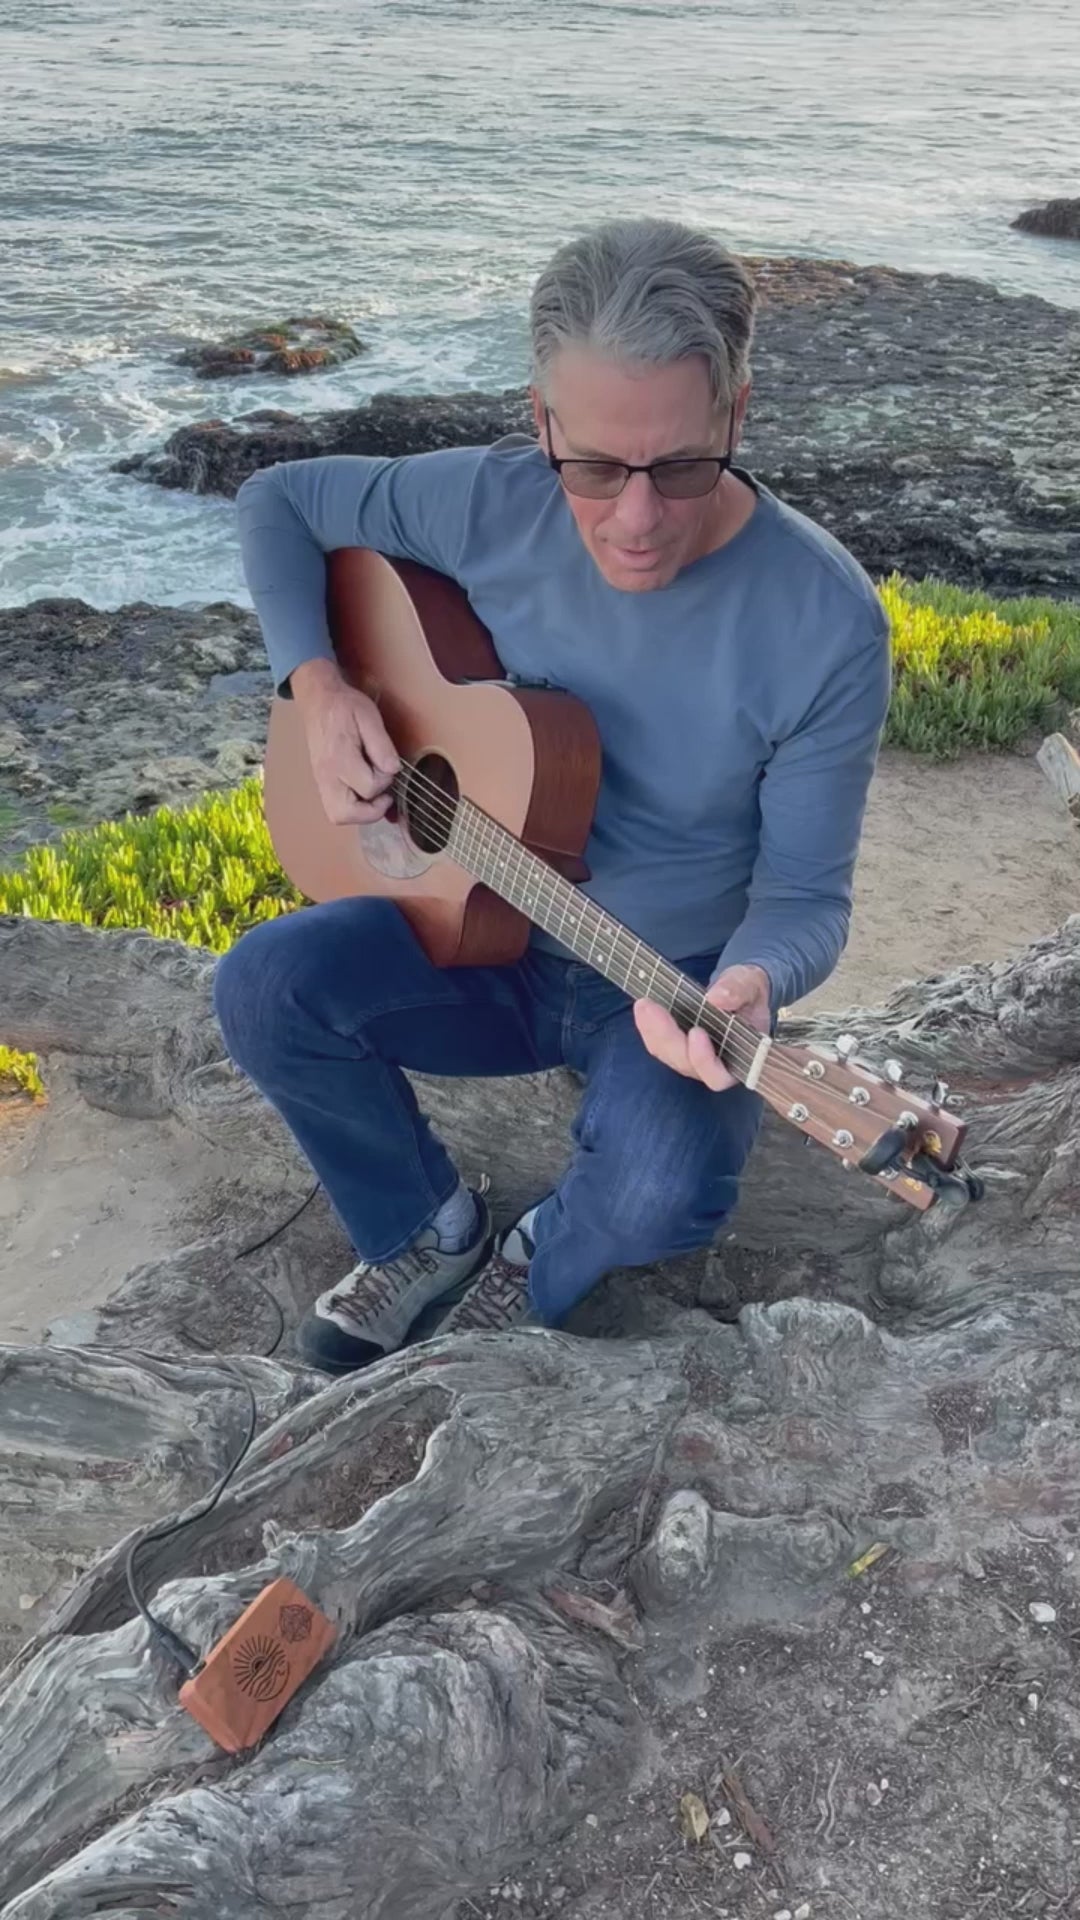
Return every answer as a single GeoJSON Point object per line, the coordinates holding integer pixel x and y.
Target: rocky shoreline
{"type": "Point", "coordinates": [930, 422]}
{"type": "Point", "coordinates": [106, 713]}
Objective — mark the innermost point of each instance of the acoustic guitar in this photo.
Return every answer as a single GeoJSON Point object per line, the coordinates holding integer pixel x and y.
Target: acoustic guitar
{"type": "Point", "coordinates": [492, 810]}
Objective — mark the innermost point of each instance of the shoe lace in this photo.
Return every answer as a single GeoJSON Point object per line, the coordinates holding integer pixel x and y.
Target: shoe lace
{"type": "Point", "coordinates": [374, 1286]}
{"type": "Point", "coordinates": [496, 1296]}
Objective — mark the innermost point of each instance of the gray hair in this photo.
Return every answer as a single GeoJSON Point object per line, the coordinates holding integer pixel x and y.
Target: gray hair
{"type": "Point", "coordinates": [647, 292]}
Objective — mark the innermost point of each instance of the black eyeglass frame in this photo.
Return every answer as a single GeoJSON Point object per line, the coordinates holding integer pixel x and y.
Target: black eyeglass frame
{"type": "Point", "coordinates": [721, 461]}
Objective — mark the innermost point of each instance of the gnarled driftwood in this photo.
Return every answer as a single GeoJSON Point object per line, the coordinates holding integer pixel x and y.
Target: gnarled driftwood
{"type": "Point", "coordinates": [504, 1529]}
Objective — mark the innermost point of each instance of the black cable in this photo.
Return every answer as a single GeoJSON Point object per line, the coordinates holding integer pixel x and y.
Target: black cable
{"type": "Point", "coordinates": [256, 1246]}
{"type": "Point", "coordinates": [171, 1644]}
{"type": "Point", "coordinates": [175, 1649]}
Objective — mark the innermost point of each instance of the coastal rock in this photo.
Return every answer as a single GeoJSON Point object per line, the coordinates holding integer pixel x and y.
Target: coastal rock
{"type": "Point", "coordinates": [105, 712]}
{"type": "Point", "coordinates": [308, 344]}
{"type": "Point", "coordinates": [216, 456]}
{"type": "Point", "coordinates": [1059, 219]}
{"type": "Point", "coordinates": [22, 768]}
{"type": "Point", "coordinates": [930, 422]}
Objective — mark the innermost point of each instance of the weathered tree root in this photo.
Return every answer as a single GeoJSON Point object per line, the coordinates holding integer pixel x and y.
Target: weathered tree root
{"type": "Point", "coordinates": [496, 1525]}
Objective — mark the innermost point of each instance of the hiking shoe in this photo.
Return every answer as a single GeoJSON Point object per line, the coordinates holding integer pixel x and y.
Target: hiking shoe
{"type": "Point", "coordinates": [368, 1314]}
{"type": "Point", "coordinates": [498, 1297]}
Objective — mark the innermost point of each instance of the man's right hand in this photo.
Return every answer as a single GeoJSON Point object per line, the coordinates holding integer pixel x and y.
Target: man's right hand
{"type": "Point", "coordinates": [352, 755]}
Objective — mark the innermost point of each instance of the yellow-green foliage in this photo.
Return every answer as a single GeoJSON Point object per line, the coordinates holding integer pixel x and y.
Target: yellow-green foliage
{"type": "Point", "coordinates": [19, 1074]}
{"type": "Point", "coordinates": [201, 875]}
{"type": "Point", "coordinates": [974, 672]}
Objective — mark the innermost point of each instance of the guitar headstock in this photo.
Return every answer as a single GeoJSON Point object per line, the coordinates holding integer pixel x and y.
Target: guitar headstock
{"type": "Point", "coordinates": [870, 1121]}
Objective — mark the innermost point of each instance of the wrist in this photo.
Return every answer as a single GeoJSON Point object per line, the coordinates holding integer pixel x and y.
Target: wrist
{"type": "Point", "coordinates": [315, 679]}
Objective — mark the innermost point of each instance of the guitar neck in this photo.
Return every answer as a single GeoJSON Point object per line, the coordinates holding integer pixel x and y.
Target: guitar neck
{"type": "Point", "coordinates": [491, 854]}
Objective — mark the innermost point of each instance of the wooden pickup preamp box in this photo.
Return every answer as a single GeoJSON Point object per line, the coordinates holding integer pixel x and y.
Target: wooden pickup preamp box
{"type": "Point", "coordinates": [257, 1666]}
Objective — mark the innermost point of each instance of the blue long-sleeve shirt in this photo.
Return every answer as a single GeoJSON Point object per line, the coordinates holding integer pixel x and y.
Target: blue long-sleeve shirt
{"type": "Point", "coordinates": [739, 708]}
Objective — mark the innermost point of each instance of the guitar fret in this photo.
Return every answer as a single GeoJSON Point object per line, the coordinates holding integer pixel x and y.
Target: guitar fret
{"type": "Point", "coordinates": [501, 861]}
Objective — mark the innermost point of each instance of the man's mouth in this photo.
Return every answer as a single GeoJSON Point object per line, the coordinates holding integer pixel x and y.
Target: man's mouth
{"type": "Point", "coordinates": [637, 558]}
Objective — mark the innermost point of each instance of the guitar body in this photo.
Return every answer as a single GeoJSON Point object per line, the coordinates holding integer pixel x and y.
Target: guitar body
{"type": "Point", "coordinates": [528, 757]}
{"type": "Point", "coordinates": [501, 782]}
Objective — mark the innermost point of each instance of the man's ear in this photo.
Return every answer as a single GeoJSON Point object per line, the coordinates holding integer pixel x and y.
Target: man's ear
{"type": "Point", "coordinates": [537, 400]}
{"type": "Point", "coordinates": [742, 401]}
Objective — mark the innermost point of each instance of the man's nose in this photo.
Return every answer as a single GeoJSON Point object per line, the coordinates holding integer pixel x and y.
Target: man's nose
{"type": "Point", "coordinates": [639, 508]}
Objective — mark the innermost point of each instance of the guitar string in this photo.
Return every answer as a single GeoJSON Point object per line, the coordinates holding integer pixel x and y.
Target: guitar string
{"type": "Point", "coordinates": [740, 1043]}
{"type": "Point", "coordinates": [741, 1040]}
{"type": "Point", "coordinates": [477, 827]}
{"type": "Point", "coordinates": [749, 1038]}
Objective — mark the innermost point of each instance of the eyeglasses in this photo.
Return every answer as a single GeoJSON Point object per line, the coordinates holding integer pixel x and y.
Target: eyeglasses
{"type": "Point", "coordinates": [687, 479]}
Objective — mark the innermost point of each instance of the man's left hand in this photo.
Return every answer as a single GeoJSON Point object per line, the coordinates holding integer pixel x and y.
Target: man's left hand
{"type": "Point", "coordinates": [740, 990]}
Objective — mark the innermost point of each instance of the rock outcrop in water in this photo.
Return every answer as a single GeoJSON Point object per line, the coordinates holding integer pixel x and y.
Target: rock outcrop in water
{"type": "Point", "coordinates": [309, 344]}
{"type": "Point", "coordinates": [1058, 219]}
{"type": "Point", "coordinates": [931, 423]}
{"type": "Point", "coordinates": [216, 456]}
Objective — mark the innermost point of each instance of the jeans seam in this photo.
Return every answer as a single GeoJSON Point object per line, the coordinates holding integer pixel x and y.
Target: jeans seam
{"type": "Point", "coordinates": [387, 1072]}
{"type": "Point", "coordinates": [359, 1038]}
{"type": "Point", "coordinates": [395, 1005]}
{"type": "Point", "coordinates": [568, 1024]}
{"type": "Point", "coordinates": [571, 1021]}
{"type": "Point", "coordinates": [593, 1087]}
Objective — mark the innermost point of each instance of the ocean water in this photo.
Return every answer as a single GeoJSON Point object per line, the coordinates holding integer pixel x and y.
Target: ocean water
{"type": "Point", "coordinates": [168, 172]}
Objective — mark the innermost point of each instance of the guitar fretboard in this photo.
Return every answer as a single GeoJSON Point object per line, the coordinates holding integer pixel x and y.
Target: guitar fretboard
{"type": "Point", "coordinates": [494, 856]}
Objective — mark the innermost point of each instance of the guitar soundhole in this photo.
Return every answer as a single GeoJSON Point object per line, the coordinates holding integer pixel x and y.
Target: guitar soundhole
{"type": "Point", "coordinates": [430, 801]}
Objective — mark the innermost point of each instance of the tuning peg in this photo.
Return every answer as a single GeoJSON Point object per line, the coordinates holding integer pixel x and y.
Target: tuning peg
{"type": "Point", "coordinates": [940, 1092]}
{"type": "Point", "coordinates": [846, 1044]}
{"type": "Point", "coordinates": [894, 1072]}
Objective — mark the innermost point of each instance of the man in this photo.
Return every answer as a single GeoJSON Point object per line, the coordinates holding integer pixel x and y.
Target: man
{"type": "Point", "coordinates": [736, 661]}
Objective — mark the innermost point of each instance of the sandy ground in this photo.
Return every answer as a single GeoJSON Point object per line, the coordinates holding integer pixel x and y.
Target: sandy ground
{"type": "Point", "coordinates": [964, 861]}
{"type": "Point", "coordinates": [84, 1198]}
{"type": "Point", "coordinates": [967, 861]}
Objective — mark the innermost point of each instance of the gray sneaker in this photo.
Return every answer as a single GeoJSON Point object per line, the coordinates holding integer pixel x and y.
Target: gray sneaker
{"type": "Point", "coordinates": [369, 1313]}
{"type": "Point", "coordinates": [498, 1298]}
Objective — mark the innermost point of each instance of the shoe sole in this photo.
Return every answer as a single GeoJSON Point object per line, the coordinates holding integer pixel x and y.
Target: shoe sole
{"type": "Point", "coordinates": [421, 1329]}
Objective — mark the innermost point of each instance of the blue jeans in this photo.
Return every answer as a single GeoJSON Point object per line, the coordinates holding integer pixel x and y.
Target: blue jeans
{"type": "Point", "coordinates": [323, 1008]}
